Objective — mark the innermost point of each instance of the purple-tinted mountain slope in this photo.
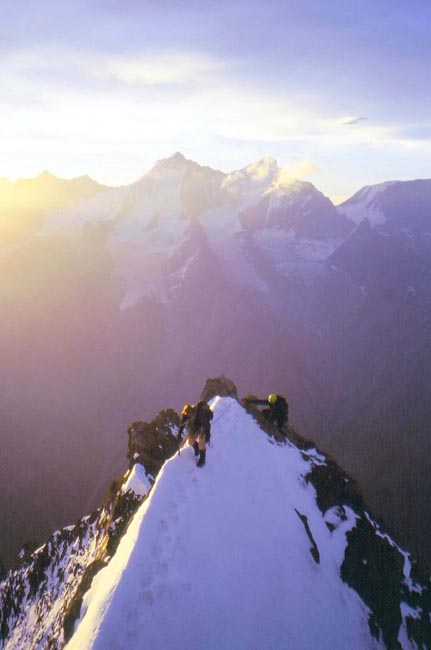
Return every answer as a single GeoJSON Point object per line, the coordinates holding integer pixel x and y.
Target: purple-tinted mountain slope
{"type": "Point", "coordinates": [126, 301]}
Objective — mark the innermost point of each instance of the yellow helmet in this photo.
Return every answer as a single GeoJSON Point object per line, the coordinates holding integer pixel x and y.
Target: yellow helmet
{"type": "Point", "coordinates": [187, 410]}
{"type": "Point", "coordinates": [272, 398]}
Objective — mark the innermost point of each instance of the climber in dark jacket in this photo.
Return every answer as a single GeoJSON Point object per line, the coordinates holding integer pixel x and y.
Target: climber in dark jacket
{"type": "Point", "coordinates": [197, 421]}
{"type": "Point", "coordinates": [277, 410]}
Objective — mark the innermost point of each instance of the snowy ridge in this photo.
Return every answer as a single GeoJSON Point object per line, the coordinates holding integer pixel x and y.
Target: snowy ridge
{"type": "Point", "coordinates": [366, 204]}
{"type": "Point", "coordinates": [267, 546]}
{"type": "Point", "coordinates": [236, 555]}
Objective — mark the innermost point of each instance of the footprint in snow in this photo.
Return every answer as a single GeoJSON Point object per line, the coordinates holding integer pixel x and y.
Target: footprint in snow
{"type": "Point", "coordinates": [163, 567]}
{"type": "Point", "coordinates": [147, 580]}
{"type": "Point", "coordinates": [148, 597]}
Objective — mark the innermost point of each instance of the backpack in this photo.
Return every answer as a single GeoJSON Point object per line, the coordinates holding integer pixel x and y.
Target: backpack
{"type": "Point", "coordinates": [281, 408]}
{"type": "Point", "coordinates": [201, 418]}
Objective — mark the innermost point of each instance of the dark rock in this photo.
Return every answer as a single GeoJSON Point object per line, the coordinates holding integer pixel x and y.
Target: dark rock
{"type": "Point", "coordinates": [2, 571]}
{"type": "Point", "coordinates": [218, 386]}
{"type": "Point", "coordinates": [124, 508]}
{"type": "Point", "coordinates": [419, 630]}
{"type": "Point", "coordinates": [314, 550]}
{"type": "Point", "coordinates": [334, 487]}
{"type": "Point", "coordinates": [151, 444]}
{"type": "Point", "coordinates": [74, 608]}
{"type": "Point", "coordinates": [373, 567]}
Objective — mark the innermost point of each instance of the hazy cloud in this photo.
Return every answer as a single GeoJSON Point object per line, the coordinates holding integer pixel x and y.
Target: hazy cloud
{"type": "Point", "coordinates": [171, 68]}
{"type": "Point", "coordinates": [289, 173]}
{"type": "Point", "coordinates": [350, 120]}
{"type": "Point", "coordinates": [303, 168]}
{"type": "Point", "coordinates": [139, 69]}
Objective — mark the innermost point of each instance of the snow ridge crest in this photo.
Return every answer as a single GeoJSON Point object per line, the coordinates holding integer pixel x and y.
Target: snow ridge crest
{"type": "Point", "coordinates": [270, 536]}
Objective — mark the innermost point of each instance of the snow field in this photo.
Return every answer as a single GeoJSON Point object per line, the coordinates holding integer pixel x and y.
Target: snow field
{"type": "Point", "coordinates": [218, 558]}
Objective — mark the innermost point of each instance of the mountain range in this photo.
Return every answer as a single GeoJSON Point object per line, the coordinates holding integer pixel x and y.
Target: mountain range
{"type": "Point", "coordinates": [118, 301]}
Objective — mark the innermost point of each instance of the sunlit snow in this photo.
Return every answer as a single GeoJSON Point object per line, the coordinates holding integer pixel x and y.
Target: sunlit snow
{"type": "Point", "coordinates": [218, 558]}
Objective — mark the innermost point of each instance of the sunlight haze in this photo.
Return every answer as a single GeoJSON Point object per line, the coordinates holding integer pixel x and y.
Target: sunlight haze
{"type": "Point", "coordinates": [108, 88]}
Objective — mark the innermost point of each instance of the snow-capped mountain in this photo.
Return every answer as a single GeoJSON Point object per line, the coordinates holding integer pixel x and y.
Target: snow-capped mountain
{"type": "Point", "coordinates": [269, 545]}
{"type": "Point", "coordinates": [116, 303]}
{"type": "Point", "coordinates": [252, 212]}
{"type": "Point", "coordinates": [396, 204]}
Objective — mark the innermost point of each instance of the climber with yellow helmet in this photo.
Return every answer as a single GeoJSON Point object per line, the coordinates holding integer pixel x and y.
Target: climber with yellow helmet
{"type": "Point", "coordinates": [276, 411]}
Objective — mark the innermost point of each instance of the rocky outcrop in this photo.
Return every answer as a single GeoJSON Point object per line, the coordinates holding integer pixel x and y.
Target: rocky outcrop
{"type": "Point", "coordinates": [383, 575]}
{"type": "Point", "coordinates": [46, 582]}
{"type": "Point", "coordinates": [49, 586]}
{"type": "Point", "coordinates": [152, 443]}
{"type": "Point", "coordinates": [221, 386]}
{"type": "Point", "coordinates": [334, 487]}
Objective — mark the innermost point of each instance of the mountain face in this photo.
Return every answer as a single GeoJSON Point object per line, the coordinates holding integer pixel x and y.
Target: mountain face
{"type": "Point", "coordinates": [378, 329]}
{"type": "Point", "coordinates": [23, 202]}
{"type": "Point", "coordinates": [268, 545]}
{"type": "Point", "coordinates": [125, 300]}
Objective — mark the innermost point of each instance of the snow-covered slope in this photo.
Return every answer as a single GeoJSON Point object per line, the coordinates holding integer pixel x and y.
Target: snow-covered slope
{"type": "Point", "coordinates": [236, 555]}
{"type": "Point", "coordinates": [366, 204]}
{"type": "Point", "coordinates": [267, 546]}
{"type": "Point", "coordinates": [394, 205]}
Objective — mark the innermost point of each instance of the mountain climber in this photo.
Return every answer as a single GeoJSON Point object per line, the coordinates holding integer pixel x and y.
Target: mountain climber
{"type": "Point", "coordinates": [196, 420]}
{"type": "Point", "coordinates": [186, 414]}
{"type": "Point", "coordinates": [277, 409]}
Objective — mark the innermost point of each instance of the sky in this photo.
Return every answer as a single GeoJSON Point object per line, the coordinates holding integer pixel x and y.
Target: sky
{"type": "Point", "coordinates": [338, 91]}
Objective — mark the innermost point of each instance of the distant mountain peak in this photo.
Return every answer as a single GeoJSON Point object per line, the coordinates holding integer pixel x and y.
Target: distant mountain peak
{"type": "Point", "coordinates": [178, 156]}
{"type": "Point", "coordinates": [176, 161]}
{"type": "Point", "coordinates": [46, 175]}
